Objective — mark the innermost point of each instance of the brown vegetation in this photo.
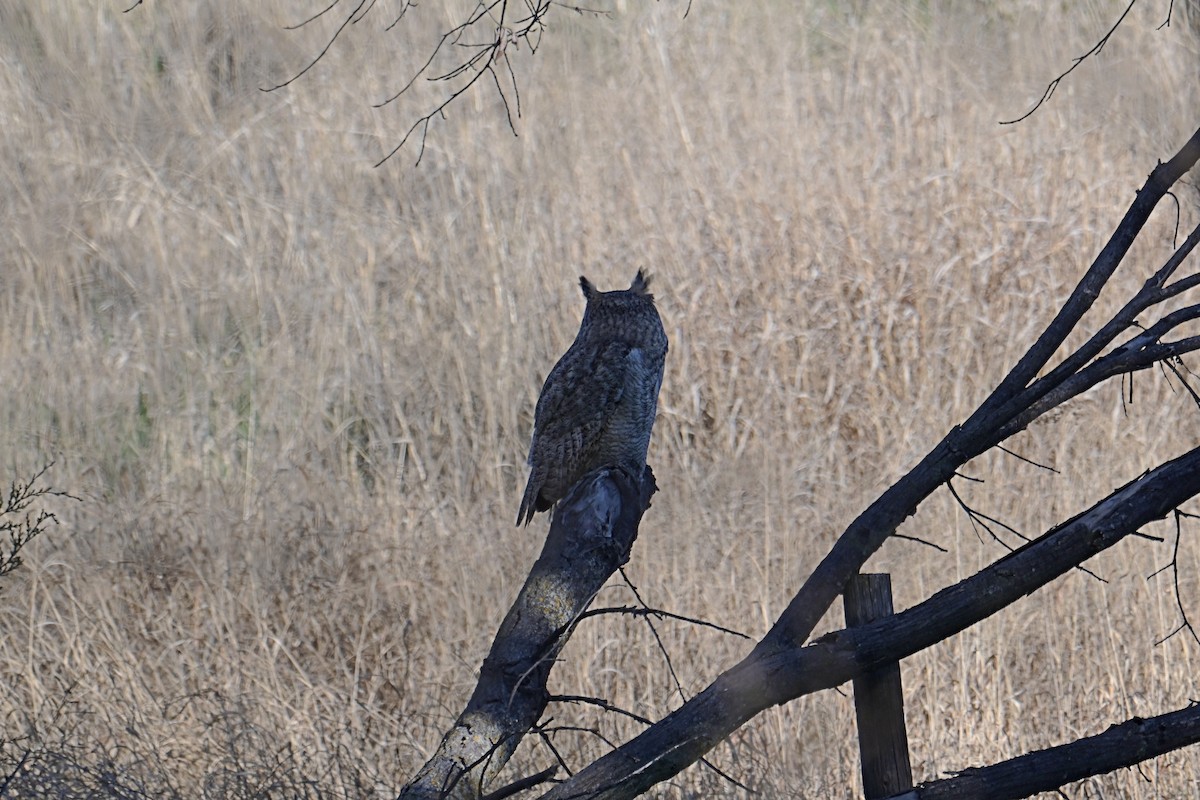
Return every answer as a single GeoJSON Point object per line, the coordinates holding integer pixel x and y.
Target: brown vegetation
{"type": "Point", "coordinates": [295, 392]}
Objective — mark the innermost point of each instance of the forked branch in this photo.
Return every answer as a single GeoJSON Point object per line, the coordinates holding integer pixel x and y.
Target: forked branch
{"type": "Point", "coordinates": [780, 668]}
{"type": "Point", "coordinates": [766, 679]}
{"type": "Point", "coordinates": [590, 537]}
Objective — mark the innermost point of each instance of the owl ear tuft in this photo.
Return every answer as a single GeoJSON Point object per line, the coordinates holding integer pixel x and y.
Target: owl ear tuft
{"type": "Point", "coordinates": [641, 283]}
{"type": "Point", "coordinates": [589, 291]}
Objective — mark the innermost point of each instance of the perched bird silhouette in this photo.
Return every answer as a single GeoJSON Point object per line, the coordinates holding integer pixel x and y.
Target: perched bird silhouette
{"type": "Point", "coordinates": [598, 403]}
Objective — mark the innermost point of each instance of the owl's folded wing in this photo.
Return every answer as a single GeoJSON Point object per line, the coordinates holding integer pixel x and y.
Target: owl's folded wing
{"type": "Point", "coordinates": [577, 401]}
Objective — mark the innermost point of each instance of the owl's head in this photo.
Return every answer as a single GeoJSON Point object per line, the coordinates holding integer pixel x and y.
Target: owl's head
{"type": "Point", "coordinates": [627, 314]}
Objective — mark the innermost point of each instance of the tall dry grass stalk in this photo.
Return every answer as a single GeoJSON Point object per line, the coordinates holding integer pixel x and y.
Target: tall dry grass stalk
{"type": "Point", "coordinates": [295, 391]}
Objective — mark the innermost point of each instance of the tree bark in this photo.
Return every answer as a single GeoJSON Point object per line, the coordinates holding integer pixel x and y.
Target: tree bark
{"type": "Point", "coordinates": [591, 535]}
{"type": "Point", "coordinates": [1124, 745]}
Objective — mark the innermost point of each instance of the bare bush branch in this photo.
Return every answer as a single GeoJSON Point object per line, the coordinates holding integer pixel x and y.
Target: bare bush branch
{"type": "Point", "coordinates": [20, 524]}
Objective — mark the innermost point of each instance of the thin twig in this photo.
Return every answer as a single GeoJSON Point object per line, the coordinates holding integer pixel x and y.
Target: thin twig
{"type": "Point", "coordinates": [662, 648]}
{"type": "Point", "coordinates": [919, 540]}
{"type": "Point", "coordinates": [1185, 623]}
{"type": "Point", "coordinates": [543, 734]}
{"type": "Point", "coordinates": [315, 16]}
{"type": "Point", "coordinates": [324, 49]}
{"type": "Point", "coordinates": [1027, 460]}
{"type": "Point", "coordinates": [977, 517]}
{"type": "Point", "coordinates": [658, 612]}
{"type": "Point", "coordinates": [1096, 48]}
{"type": "Point", "coordinates": [607, 706]}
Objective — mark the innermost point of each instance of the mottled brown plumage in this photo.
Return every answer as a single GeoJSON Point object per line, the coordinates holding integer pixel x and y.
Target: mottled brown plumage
{"type": "Point", "coordinates": [598, 404]}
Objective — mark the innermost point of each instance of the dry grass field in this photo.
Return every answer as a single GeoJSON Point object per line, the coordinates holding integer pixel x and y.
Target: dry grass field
{"type": "Point", "coordinates": [293, 391]}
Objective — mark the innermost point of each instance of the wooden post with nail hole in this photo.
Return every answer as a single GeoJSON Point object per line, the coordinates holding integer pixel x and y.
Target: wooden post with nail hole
{"type": "Point", "coordinates": [878, 697]}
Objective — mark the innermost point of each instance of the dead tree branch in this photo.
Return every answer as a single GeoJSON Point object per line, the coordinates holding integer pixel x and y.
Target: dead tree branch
{"type": "Point", "coordinates": [1096, 48]}
{"type": "Point", "coordinates": [591, 534]}
{"type": "Point", "coordinates": [1124, 745]}
{"type": "Point", "coordinates": [500, 25]}
{"type": "Point", "coordinates": [766, 679]}
{"type": "Point", "coordinates": [769, 675]}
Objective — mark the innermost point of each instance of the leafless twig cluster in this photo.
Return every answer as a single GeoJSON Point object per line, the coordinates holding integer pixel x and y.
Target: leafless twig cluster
{"type": "Point", "coordinates": [483, 44]}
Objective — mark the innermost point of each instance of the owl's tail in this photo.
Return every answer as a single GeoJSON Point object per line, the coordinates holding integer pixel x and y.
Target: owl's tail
{"type": "Point", "coordinates": [530, 502]}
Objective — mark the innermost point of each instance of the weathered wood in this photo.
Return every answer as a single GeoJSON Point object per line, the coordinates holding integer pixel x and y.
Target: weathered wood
{"type": "Point", "coordinates": [591, 535]}
{"type": "Point", "coordinates": [1124, 745]}
{"type": "Point", "coordinates": [878, 697]}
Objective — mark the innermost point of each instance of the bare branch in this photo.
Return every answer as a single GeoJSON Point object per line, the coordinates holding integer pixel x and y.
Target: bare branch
{"type": "Point", "coordinates": [408, 4]}
{"type": "Point", "coordinates": [600, 702]}
{"type": "Point", "coordinates": [315, 16]}
{"type": "Point", "coordinates": [984, 521]}
{"type": "Point", "coordinates": [607, 706]}
{"type": "Point", "coordinates": [1116, 363]}
{"type": "Point", "coordinates": [1124, 745]}
{"type": "Point", "coordinates": [1184, 624]}
{"type": "Point", "coordinates": [771, 677]}
{"type": "Point", "coordinates": [1174, 368]}
{"type": "Point", "coordinates": [1096, 48]}
{"type": "Point", "coordinates": [1020, 457]}
{"type": "Point", "coordinates": [657, 639]}
{"type": "Point", "coordinates": [324, 49]}
{"type": "Point", "coordinates": [1015, 393]}
{"type": "Point", "coordinates": [919, 540]}
{"type": "Point", "coordinates": [634, 611]}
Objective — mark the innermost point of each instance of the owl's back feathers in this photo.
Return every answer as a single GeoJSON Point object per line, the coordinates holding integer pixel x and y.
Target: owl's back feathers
{"type": "Point", "coordinates": [598, 404]}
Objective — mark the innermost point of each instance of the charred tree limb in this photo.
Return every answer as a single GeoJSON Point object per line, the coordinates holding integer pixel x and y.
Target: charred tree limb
{"type": "Point", "coordinates": [591, 535]}
{"type": "Point", "coordinates": [1154, 291]}
{"type": "Point", "coordinates": [1012, 391]}
{"type": "Point", "coordinates": [758, 682]}
{"type": "Point", "coordinates": [780, 668]}
{"type": "Point", "coordinates": [984, 429]}
{"type": "Point", "coordinates": [1124, 745]}
{"type": "Point", "coordinates": [768, 678]}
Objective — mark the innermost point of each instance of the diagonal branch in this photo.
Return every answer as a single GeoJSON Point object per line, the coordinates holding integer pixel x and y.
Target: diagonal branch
{"type": "Point", "coordinates": [764, 679]}
{"type": "Point", "coordinates": [1124, 745]}
{"type": "Point", "coordinates": [1009, 395]}
{"type": "Point", "coordinates": [1153, 292]}
{"type": "Point", "coordinates": [1096, 48]}
{"type": "Point", "coordinates": [1117, 363]}
{"type": "Point", "coordinates": [324, 50]}
{"type": "Point", "coordinates": [591, 534]}
{"type": "Point", "coordinates": [742, 692]}
{"type": "Point", "coordinates": [1185, 624]}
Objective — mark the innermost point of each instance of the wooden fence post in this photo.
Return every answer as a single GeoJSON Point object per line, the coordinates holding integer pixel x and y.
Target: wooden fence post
{"type": "Point", "coordinates": [878, 698]}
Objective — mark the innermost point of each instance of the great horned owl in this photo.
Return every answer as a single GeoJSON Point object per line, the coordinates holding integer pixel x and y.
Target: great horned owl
{"type": "Point", "coordinates": [598, 404]}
